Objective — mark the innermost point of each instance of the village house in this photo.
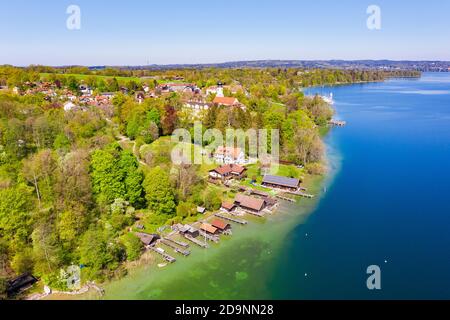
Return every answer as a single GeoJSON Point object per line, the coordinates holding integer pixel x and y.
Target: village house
{"type": "Point", "coordinates": [229, 155]}
{"type": "Point", "coordinates": [178, 87]}
{"type": "Point", "coordinates": [226, 101]}
{"type": "Point", "coordinates": [283, 183]}
{"type": "Point", "coordinates": [248, 203]}
{"type": "Point", "coordinates": [140, 96]}
{"type": "Point", "coordinates": [85, 90]}
{"type": "Point", "coordinates": [228, 172]}
{"type": "Point", "coordinates": [217, 90]}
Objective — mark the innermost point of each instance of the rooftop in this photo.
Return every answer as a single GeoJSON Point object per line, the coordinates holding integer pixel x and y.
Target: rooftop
{"type": "Point", "coordinates": [219, 224]}
{"type": "Point", "coordinates": [229, 168]}
{"type": "Point", "coordinates": [282, 181]}
{"type": "Point", "coordinates": [226, 101]}
{"type": "Point", "coordinates": [208, 228]}
{"type": "Point", "coordinates": [250, 202]}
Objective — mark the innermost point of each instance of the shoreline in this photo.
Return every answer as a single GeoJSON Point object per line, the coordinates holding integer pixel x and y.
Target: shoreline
{"type": "Point", "coordinates": [284, 213]}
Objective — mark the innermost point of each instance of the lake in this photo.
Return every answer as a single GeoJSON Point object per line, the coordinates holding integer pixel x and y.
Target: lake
{"type": "Point", "coordinates": [384, 203]}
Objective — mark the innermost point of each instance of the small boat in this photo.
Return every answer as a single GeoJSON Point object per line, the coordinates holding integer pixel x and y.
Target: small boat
{"type": "Point", "coordinates": [328, 99]}
{"type": "Point", "coordinates": [162, 265]}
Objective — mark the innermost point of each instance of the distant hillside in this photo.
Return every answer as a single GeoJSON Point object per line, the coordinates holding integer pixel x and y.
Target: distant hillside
{"type": "Point", "coordinates": [424, 66]}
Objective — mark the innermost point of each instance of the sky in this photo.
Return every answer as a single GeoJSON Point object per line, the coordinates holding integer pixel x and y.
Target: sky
{"type": "Point", "coordinates": [140, 32]}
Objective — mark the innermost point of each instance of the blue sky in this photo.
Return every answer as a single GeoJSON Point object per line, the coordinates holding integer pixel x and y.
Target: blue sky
{"type": "Point", "coordinates": [135, 32]}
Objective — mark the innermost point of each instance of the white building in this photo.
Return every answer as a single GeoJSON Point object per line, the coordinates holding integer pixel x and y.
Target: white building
{"type": "Point", "coordinates": [229, 155]}
{"type": "Point", "coordinates": [217, 90]}
{"type": "Point", "coordinates": [196, 105]}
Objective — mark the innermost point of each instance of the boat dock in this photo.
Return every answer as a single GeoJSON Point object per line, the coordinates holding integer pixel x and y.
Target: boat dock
{"type": "Point", "coordinates": [258, 214]}
{"type": "Point", "coordinates": [209, 237]}
{"type": "Point", "coordinates": [175, 248]}
{"type": "Point", "coordinates": [166, 257]}
{"type": "Point", "coordinates": [285, 198]}
{"type": "Point", "coordinates": [337, 123]}
{"type": "Point", "coordinates": [305, 195]}
{"type": "Point", "coordinates": [179, 243]}
{"type": "Point", "coordinates": [239, 221]}
{"type": "Point", "coordinates": [197, 242]}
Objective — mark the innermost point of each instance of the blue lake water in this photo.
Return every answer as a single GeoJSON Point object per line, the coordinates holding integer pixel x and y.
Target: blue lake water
{"type": "Point", "coordinates": [389, 202]}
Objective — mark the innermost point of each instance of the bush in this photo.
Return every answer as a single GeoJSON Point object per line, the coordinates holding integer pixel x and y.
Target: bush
{"type": "Point", "coordinates": [316, 168]}
{"type": "Point", "coordinates": [133, 246]}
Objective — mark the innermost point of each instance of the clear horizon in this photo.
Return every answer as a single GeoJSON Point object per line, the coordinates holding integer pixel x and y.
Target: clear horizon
{"type": "Point", "coordinates": [147, 33]}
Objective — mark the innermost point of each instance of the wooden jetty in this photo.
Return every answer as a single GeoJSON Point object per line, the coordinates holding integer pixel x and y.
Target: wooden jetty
{"type": "Point", "coordinates": [337, 123]}
{"type": "Point", "coordinates": [209, 237]}
{"type": "Point", "coordinates": [258, 214]}
{"type": "Point", "coordinates": [305, 195]}
{"type": "Point", "coordinates": [166, 257]}
{"type": "Point", "coordinates": [179, 243]}
{"type": "Point", "coordinates": [285, 198]}
{"type": "Point", "coordinates": [239, 221]}
{"type": "Point", "coordinates": [197, 242]}
{"type": "Point", "coordinates": [175, 248]}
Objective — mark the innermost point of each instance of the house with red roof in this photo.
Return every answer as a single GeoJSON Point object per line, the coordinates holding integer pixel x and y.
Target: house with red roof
{"type": "Point", "coordinates": [228, 172]}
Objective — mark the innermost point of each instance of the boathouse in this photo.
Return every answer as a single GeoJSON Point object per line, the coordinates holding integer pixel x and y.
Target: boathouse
{"type": "Point", "coordinates": [228, 206]}
{"type": "Point", "coordinates": [250, 203]}
{"type": "Point", "coordinates": [277, 182]}
{"type": "Point", "coordinates": [209, 229]}
{"type": "Point", "coordinates": [147, 239]}
{"type": "Point", "coordinates": [189, 230]}
{"type": "Point", "coordinates": [20, 284]}
{"type": "Point", "coordinates": [221, 225]}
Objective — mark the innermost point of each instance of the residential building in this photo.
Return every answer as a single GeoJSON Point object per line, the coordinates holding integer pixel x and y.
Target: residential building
{"type": "Point", "coordinates": [226, 101]}
{"type": "Point", "coordinates": [229, 155]}
{"type": "Point", "coordinates": [227, 172]}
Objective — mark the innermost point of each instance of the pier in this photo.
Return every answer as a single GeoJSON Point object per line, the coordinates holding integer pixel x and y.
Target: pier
{"type": "Point", "coordinates": [337, 123]}
{"type": "Point", "coordinates": [239, 221]}
{"type": "Point", "coordinates": [197, 242]}
{"type": "Point", "coordinates": [175, 248]}
{"type": "Point", "coordinates": [179, 243]}
{"type": "Point", "coordinates": [209, 237]}
{"type": "Point", "coordinates": [305, 195]}
{"type": "Point", "coordinates": [254, 213]}
{"type": "Point", "coordinates": [166, 257]}
{"type": "Point", "coordinates": [285, 198]}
